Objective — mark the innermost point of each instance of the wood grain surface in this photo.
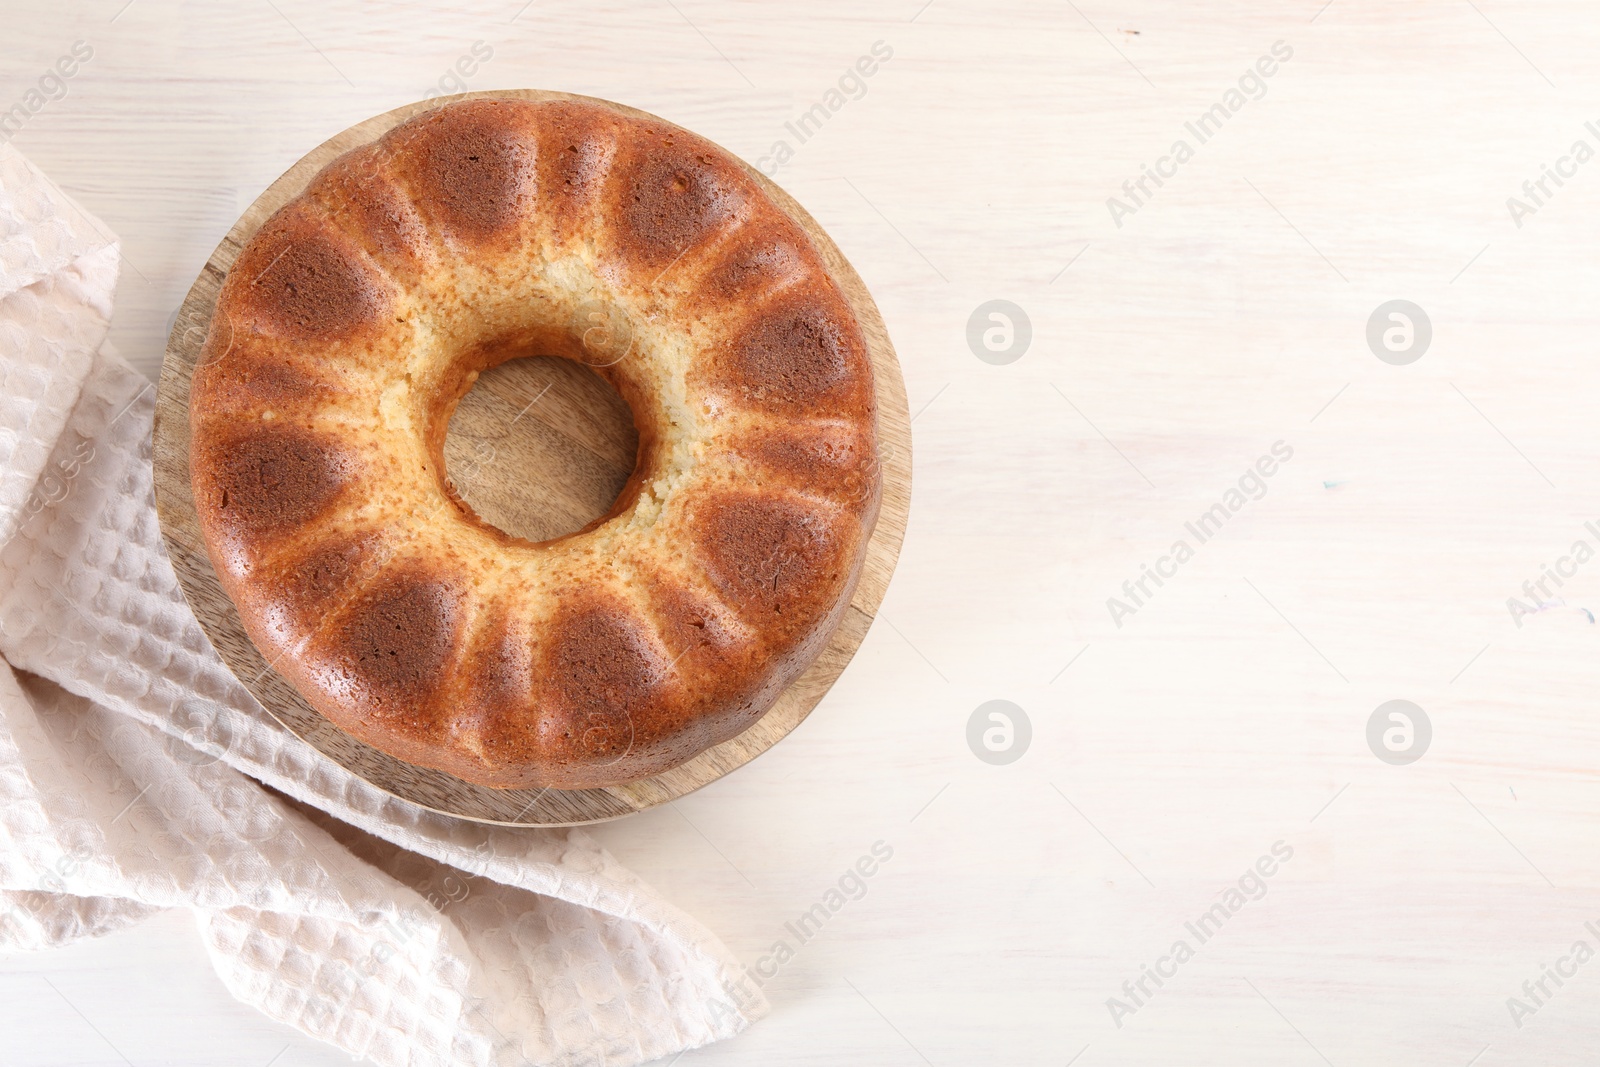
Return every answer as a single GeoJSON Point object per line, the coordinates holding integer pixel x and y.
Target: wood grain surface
{"type": "Point", "coordinates": [572, 446]}
{"type": "Point", "coordinates": [1168, 354]}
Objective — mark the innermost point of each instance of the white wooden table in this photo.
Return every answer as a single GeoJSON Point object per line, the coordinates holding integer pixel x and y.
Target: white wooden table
{"type": "Point", "coordinates": [1227, 312]}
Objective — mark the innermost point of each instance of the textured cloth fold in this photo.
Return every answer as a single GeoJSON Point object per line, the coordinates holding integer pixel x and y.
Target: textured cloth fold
{"type": "Point", "coordinates": [132, 763]}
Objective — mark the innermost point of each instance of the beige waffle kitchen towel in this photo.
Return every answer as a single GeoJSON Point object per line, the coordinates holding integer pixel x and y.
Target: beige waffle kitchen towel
{"type": "Point", "coordinates": [132, 763]}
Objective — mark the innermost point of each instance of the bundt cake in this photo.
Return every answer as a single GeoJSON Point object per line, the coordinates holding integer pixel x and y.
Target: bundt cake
{"type": "Point", "coordinates": [358, 315]}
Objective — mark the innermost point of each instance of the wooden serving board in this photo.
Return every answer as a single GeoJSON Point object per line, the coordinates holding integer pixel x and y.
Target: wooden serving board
{"type": "Point", "coordinates": [573, 450]}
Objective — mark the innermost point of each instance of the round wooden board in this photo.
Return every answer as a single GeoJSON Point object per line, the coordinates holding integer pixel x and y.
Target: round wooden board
{"type": "Point", "coordinates": [565, 425]}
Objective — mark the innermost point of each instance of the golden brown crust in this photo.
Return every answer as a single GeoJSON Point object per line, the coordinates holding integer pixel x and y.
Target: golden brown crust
{"type": "Point", "coordinates": [800, 353]}
{"type": "Point", "coordinates": [669, 196]}
{"type": "Point", "coordinates": [300, 281]}
{"type": "Point", "coordinates": [470, 169]}
{"type": "Point", "coordinates": [580, 143]}
{"type": "Point", "coordinates": [256, 484]}
{"type": "Point", "coordinates": [357, 316]}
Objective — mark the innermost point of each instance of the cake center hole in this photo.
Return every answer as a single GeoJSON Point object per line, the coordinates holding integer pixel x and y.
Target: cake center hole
{"type": "Point", "coordinates": [540, 447]}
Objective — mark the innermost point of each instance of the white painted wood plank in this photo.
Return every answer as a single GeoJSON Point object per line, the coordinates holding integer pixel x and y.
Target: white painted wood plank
{"type": "Point", "coordinates": [1227, 313]}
